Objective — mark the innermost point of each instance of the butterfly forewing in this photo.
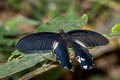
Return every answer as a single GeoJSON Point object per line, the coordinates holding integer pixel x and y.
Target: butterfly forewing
{"type": "Point", "coordinates": [37, 42]}
{"type": "Point", "coordinates": [88, 38]}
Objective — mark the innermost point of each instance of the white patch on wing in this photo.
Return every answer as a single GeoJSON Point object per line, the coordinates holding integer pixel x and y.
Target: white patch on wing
{"type": "Point", "coordinates": [72, 69]}
{"type": "Point", "coordinates": [82, 59]}
{"type": "Point", "coordinates": [91, 67]}
{"type": "Point", "coordinates": [59, 61]}
{"type": "Point", "coordinates": [79, 60]}
{"type": "Point", "coordinates": [80, 43]}
{"type": "Point", "coordinates": [92, 58]}
{"type": "Point", "coordinates": [85, 67]}
{"type": "Point", "coordinates": [65, 67]}
{"type": "Point", "coordinates": [55, 44]}
{"type": "Point", "coordinates": [70, 61]}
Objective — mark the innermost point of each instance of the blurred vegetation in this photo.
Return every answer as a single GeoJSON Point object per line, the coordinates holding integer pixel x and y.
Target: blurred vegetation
{"type": "Point", "coordinates": [21, 17]}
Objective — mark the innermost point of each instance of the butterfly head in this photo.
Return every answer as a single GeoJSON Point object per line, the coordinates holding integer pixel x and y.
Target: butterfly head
{"type": "Point", "coordinates": [62, 33]}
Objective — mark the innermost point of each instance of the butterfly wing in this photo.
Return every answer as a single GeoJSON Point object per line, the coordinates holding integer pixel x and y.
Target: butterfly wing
{"type": "Point", "coordinates": [37, 42]}
{"type": "Point", "coordinates": [83, 56]}
{"type": "Point", "coordinates": [46, 41]}
{"type": "Point", "coordinates": [88, 38]}
{"type": "Point", "coordinates": [61, 52]}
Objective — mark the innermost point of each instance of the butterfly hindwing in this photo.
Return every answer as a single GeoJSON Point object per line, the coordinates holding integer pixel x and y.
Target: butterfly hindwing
{"type": "Point", "coordinates": [37, 42]}
{"type": "Point", "coordinates": [61, 52]}
{"type": "Point", "coordinates": [83, 56]}
{"type": "Point", "coordinates": [88, 38]}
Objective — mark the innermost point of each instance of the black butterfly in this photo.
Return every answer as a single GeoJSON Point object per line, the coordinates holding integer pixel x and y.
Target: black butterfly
{"type": "Point", "coordinates": [79, 40]}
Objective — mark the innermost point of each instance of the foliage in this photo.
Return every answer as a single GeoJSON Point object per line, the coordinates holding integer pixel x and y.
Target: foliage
{"type": "Point", "coordinates": [67, 23]}
{"type": "Point", "coordinates": [116, 28]}
{"type": "Point", "coordinates": [53, 8]}
{"type": "Point", "coordinates": [21, 63]}
{"type": "Point", "coordinates": [15, 4]}
{"type": "Point", "coordinates": [8, 34]}
{"type": "Point", "coordinates": [115, 32]}
{"type": "Point", "coordinates": [11, 24]}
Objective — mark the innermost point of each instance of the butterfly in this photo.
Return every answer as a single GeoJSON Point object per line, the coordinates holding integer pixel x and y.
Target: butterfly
{"type": "Point", "coordinates": [59, 43]}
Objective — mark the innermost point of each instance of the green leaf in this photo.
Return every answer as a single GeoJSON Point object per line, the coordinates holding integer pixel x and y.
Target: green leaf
{"type": "Point", "coordinates": [17, 65]}
{"type": "Point", "coordinates": [11, 24]}
{"type": "Point", "coordinates": [113, 35]}
{"type": "Point", "coordinates": [115, 32]}
{"type": "Point", "coordinates": [116, 28]}
{"type": "Point", "coordinates": [67, 23]}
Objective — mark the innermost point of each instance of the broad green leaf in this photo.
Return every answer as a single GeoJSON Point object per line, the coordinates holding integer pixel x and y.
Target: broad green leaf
{"type": "Point", "coordinates": [116, 28]}
{"type": "Point", "coordinates": [67, 23]}
{"type": "Point", "coordinates": [11, 24]}
{"type": "Point", "coordinates": [18, 65]}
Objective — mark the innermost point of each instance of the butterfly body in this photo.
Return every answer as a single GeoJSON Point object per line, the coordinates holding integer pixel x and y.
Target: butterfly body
{"type": "Point", "coordinates": [79, 40]}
